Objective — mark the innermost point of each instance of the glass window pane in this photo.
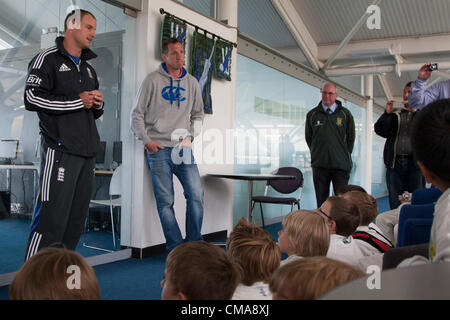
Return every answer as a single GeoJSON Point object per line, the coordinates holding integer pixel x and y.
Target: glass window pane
{"type": "Point", "coordinates": [379, 187]}
{"type": "Point", "coordinates": [21, 38]}
{"type": "Point", "coordinates": [270, 119]}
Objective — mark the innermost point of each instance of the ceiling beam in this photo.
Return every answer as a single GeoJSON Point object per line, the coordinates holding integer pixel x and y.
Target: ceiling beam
{"type": "Point", "coordinates": [403, 46]}
{"type": "Point", "coordinates": [349, 36]}
{"type": "Point", "coordinates": [298, 30]}
{"type": "Point", "coordinates": [385, 86]}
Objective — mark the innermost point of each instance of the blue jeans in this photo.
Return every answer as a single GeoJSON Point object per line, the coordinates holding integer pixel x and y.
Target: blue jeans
{"type": "Point", "coordinates": [163, 165]}
{"type": "Point", "coordinates": [405, 176]}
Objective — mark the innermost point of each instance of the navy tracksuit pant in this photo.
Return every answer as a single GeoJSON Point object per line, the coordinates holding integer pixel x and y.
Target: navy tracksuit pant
{"type": "Point", "coordinates": [63, 203]}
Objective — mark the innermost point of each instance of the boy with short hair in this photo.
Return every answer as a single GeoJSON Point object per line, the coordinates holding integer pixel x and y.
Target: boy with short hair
{"type": "Point", "coordinates": [310, 278]}
{"type": "Point", "coordinates": [258, 256]}
{"type": "Point", "coordinates": [343, 219]}
{"type": "Point", "coordinates": [305, 234]}
{"type": "Point", "coordinates": [199, 271]}
{"type": "Point", "coordinates": [368, 236]}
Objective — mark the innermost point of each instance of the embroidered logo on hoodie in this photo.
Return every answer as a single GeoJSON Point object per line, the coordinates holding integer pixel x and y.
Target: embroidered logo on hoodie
{"type": "Point", "coordinates": [171, 93]}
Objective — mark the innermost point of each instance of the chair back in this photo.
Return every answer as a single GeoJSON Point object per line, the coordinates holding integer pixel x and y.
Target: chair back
{"type": "Point", "coordinates": [425, 195]}
{"type": "Point", "coordinates": [287, 186]}
{"type": "Point", "coordinates": [418, 217]}
{"type": "Point", "coordinates": [115, 186]}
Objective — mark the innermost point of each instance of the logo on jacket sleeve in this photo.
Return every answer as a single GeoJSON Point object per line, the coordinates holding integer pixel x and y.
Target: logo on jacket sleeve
{"type": "Point", "coordinates": [171, 93]}
{"type": "Point", "coordinates": [64, 68]}
{"type": "Point", "coordinates": [34, 80]}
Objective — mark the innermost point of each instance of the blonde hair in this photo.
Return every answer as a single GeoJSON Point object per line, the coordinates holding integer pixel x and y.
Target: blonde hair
{"type": "Point", "coordinates": [45, 276]}
{"type": "Point", "coordinates": [310, 278]}
{"type": "Point", "coordinates": [254, 250]}
{"type": "Point", "coordinates": [367, 206]}
{"type": "Point", "coordinates": [202, 271]}
{"type": "Point", "coordinates": [308, 233]}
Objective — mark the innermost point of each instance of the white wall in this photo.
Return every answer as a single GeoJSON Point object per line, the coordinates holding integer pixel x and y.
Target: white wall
{"type": "Point", "coordinates": [146, 228]}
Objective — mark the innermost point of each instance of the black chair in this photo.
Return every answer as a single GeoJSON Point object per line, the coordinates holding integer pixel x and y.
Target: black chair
{"type": "Point", "coordinates": [282, 186]}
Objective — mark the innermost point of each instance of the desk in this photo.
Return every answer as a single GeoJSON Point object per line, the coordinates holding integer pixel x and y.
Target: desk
{"type": "Point", "coordinates": [103, 172]}
{"type": "Point", "coordinates": [250, 177]}
{"type": "Point", "coordinates": [429, 281]}
{"type": "Point", "coordinates": [9, 167]}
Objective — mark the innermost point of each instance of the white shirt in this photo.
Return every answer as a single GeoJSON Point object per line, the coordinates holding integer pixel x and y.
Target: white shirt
{"type": "Point", "coordinates": [345, 250]}
{"type": "Point", "coordinates": [257, 291]}
{"type": "Point", "coordinates": [440, 235]}
{"type": "Point", "coordinates": [366, 248]}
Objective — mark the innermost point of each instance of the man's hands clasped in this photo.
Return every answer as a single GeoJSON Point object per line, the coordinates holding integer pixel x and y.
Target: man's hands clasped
{"type": "Point", "coordinates": [92, 98]}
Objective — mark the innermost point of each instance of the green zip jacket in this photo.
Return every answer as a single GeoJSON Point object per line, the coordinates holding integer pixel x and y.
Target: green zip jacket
{"type": "Point", "coordinates": [330, 138]}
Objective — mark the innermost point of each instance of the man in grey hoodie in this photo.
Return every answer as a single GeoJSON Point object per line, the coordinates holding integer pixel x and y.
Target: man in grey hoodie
{"type": "Point", "coordinates": [167, 115]}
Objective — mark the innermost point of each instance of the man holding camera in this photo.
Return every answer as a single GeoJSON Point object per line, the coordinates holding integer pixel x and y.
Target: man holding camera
{"type": "Point", "coordinates": [402, 173]}
{"type": "Point", "coordinates": [420, 96]}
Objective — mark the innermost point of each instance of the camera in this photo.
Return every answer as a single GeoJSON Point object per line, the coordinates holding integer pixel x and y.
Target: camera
{"type": "Point", "coordinates": [433, 67]}
{"type": "Point", "coordinates": [406, 196]}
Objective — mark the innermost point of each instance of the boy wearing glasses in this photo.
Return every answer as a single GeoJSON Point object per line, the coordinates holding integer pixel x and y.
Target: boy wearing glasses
{"type": "Point", "coordinates": [330, 135]}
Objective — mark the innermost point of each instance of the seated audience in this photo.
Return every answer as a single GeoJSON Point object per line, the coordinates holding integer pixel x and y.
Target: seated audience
{"type": "Point", "coordinates": [431, 147]}
{"type": "Point", "coordinates": [304, 234]}
{"type": "Point", "coordinates": [310, 278]}
{"type": "Point", "coordinates": [343, 219]}
{"type": "Point", "coordinates": [254, 250]}
{"type": "Point", "coordinates": [199, 271]}
{"type": "Point", "coordinates": [368, 236]}
{"type": "Point", "coordinates": [55, 274]}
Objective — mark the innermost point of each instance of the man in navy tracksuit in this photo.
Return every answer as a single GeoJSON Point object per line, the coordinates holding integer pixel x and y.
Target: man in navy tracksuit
{"type": "Point", "coordinates": [63, 89]}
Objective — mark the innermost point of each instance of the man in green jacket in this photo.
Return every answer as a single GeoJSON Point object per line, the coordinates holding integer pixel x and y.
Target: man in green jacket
{"type": "Point", "coordinates": [330, 134]}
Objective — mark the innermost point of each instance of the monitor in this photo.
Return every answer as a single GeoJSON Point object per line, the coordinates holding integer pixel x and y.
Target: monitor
{"type": "Point", "coordinates": [9, 149]}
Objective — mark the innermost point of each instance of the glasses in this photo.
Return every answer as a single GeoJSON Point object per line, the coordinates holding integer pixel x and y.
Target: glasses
{"type": "Point", "coordinates": [326, 215]}
{"type": "Point", "coordinates": [328, 93]}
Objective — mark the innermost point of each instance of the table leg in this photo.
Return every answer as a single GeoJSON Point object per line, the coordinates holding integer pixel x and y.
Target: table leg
{"type": "Point", "coordinates": [250, 194]}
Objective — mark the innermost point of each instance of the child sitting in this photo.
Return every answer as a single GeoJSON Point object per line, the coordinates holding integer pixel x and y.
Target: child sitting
{"type": "Point", "coordinates": [310, 278]}
{"type": "Point", "coordinates": [304, 234]}
{"type": "Point", "coordinates": [343, 219]}
{"type": "Point", "coordinates": [199, 271]}
{"type": "Point", "coordinates": [368, 236]}
{"type": "Point", "coordinates": [430, 140]}
{"type": "Point", "coordinates": [51, 274]}
{"type": "Point", "coordinates": [258, 256]}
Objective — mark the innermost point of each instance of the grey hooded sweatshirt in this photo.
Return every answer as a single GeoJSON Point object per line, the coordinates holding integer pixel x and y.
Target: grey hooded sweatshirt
{"type": "Point", "coordinates": [166, 108]}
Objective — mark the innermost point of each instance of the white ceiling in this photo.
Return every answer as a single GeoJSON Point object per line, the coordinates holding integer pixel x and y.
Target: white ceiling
{"type": "Point", "coordinates": [417, 31]}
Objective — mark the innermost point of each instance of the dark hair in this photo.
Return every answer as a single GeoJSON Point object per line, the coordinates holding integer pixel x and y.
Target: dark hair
{"type": "Point", "coordinates": [166, 42]}
{"type": "Point", "coordinates": [345, 214]}
{"type": "Point", "coordinates": [350, 187]}
{"type": "Point", "coordinates": [45, 276]}
{"type": "Point", "coordinates": [202, 271]}
{"type": "Point", "coordinates": [430, 138]}
{"type": "Point", "coordinates": [81, 12]}
{"type": "Point", "coordinates": [367, 205]}
{"type": "Point", "coordinates": [408, 84]}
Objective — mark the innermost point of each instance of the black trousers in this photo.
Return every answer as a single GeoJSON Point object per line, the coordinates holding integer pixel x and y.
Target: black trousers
{"type": "Point", "coordinates": [63, 203]}
{"type": "Point", "coordinates": [322, 179]}
{"type": "Point", "coordinates": [405, 176]}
